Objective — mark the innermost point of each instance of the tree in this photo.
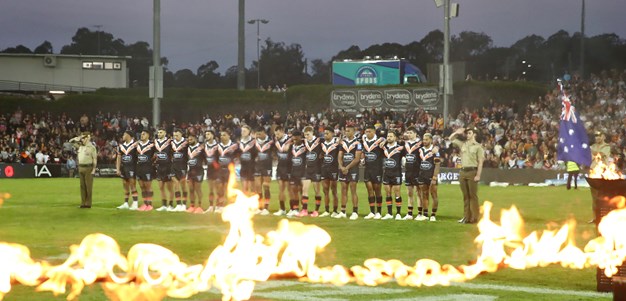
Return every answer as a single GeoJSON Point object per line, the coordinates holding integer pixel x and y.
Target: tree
{"type": "Point", "coordinates": [185, 78]}
{"type": "Point", "coordinates": [352, 53]}
{"type": "Point", "coordinates": [433, 44]}
{"type": "Point", "coordinates": [44, 48]}
{"type": "Point", "coordinates": [321, 71]}
{"type": "Point", "coordinates": [468, 44]}
{"type": "Point", "coordinates": [282, 64]}
{"type": "Point", "coordinates": [207, 77]}
{"type": "Point", "coordinates": [17, 49]}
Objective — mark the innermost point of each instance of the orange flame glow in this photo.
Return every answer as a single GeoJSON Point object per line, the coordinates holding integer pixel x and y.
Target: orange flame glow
{"type": "Point", "coordinates": [603, 171]}
{"type": "Point", "coordinates": [150, 272]}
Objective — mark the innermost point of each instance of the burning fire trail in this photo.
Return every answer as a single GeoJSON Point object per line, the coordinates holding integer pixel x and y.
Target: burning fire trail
{"type": "Point", "coordinates": [150, 272]}
{"type": "Point", "coordinates": [604, 171]}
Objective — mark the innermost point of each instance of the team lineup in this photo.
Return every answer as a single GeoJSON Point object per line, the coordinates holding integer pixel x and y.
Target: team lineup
{"type": "Point", "coordinates": [301, 160]}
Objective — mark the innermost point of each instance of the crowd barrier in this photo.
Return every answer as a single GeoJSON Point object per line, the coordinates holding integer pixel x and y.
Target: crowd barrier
{"type": "Point", "coordinates": [446, 175]}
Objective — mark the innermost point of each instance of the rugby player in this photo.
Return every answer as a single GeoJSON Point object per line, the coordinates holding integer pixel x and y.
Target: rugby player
{"type": "Point", "coordinates": [163, 166]}
{"type": "Point", "coordinates": [373, 172]}
{"type": "Point", "coordinates": [392, 174]}
{"type": "Point", "coordinates": [125, 168]}
{"type": "Point", "coordinates": [349, 158]}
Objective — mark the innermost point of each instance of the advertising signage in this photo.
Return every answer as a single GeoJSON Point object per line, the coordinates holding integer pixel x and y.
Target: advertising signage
{"type": "Point", "coordinates": [357, 100]}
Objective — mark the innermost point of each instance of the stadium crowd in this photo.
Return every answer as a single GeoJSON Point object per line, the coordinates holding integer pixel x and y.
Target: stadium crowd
{"type": "Point", "coordinates": [512, 135]}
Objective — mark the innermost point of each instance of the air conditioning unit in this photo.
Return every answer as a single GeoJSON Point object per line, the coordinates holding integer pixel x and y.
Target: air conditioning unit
{"type": "Point", "coordinates": [50, 61]}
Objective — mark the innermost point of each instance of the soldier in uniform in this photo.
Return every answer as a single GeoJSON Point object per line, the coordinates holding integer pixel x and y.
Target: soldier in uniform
{"type": "Point", "coordinates": [125, 168]}
{"type": "Point", "coordinates": [282, 144]}
{"type": "Point", "coordinates": [427, 178]}
{"type": "Point", "coordinates": [179, 170]}
{"type": "Point", "coordinates": [210, 151]}
{"type": "Point", "coordinates": [313, 169]}
{"type": "Point", "coordinates": [472, 158]}
{"type": "Point", "coordinates": [349, 158]}
{"type": "Point", "coordinates": [163, 165]}
{"type": "Point", "coordinates": [87, 161]}
{"type": "Point", "coordinates": [297, 173]}
{"type": "Point", "coordinates": [263, 169]}
{"type": "Point", "coordinates": [392, 174]}
{"type": "Point", "coordinates": [600, 152]}
{"type": "Point", "coordinates": [373, 173]}
{"type": "Point", "coordinates": [246, 158]}
{"type": "Point", "coordinates": [145, 169]}
{"type": "Point", "coordinates": [411, 167]}
{"type": "Point", "coordinates": [195, 173]}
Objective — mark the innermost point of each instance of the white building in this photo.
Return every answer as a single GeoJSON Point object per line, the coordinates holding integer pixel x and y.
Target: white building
{"type": "Point", "coordinates": [61, 72]}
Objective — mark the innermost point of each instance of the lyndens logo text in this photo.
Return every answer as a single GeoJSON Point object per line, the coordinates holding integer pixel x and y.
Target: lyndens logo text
{"type": "Point", "coordinates": [344, 99]}
{"type": "Point", "coordinates": [426, 97]}
{"type": "Point", "coordinates": [396, 98]}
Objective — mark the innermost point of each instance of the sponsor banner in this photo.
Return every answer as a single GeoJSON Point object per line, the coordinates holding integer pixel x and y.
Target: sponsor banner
{"type": "Point", "coordinates": [17, 170]}
{"type": "Point", "coordinates": [355, 101]}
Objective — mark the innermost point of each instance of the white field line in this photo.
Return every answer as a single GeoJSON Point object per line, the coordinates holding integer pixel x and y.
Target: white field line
{"type": "Point", "coordinates": [531, 290]}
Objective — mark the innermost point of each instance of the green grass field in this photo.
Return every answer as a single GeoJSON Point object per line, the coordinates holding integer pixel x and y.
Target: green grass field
{"type": "Point", "coordinates": [43, 215]}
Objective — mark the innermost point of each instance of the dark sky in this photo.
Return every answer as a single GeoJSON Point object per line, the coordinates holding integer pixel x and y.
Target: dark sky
{"type": "Point", "coordinates": [196, 31]}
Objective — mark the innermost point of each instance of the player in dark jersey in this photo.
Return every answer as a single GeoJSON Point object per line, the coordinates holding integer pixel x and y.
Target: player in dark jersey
{"type": "Point", "coordinates": [227, 151]}
{"type": "Point", "coordinates": [179, 170]}
{"type": "Point", "coordinates": [163, 166]}
{"type": "Point", "coordinates": [392, 174]}
{"type": "Point", "coordinates": [145, 169]}
{"type": "Point", "coordinates": [428, 171]}
{"type": "Point", "coordinates": [349, 158]}
{"type": "Point", "coordinates": [195, 173]}
{"type": "Point", "coordinates": [125, 168]}
{"type": "Point", "coordinates": [313, 171]}
{"type": "Point", "coordinates": [210, 153]}
{"type": "Point", "coordinates": [297, 173]}
{"type": "Point", "coordinates": [247, 156]}
{"type": "Point", "coordinates": [373, 172]}
{"type": "Point", "coordinates": [330, 171]}
{"type": "Point", "coordinates": [282, 145]}
{"type": "Point", "coordinates": [263, 169]}
{"type": "Point", "coordinates": [411, 168]}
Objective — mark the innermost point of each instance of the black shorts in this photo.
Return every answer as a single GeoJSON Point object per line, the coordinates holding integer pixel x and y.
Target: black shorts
{"type": "Point", "coordinates": [195, 175]}
{"type": "Point", "coordinates": [392, 179]}
{"type": "Point", "coordinates": [351, 176]}
{"type": "Point", "coordinates": [313, 175]}
{"type": "Point", "coordinates": [246, 173]}
{"type": "Point", "coordinates": [145, 173]}
{"type": "Point", "coordinates": [163, 173]}
{"type": "Point", "coordinates": [296, 178]}
{"type": "Point", "coordinates": [329, 175]}
{"type": "Point", "coordinates": [373, 176]}
{"type": "Point", "coordinates": [426, 180]}
{"type": "Point", "coordinates": [222, 175]}
{"type": "Point", "coordinates": [282, 174]}
{"type": "Point", "coordinates": [127, 172]}
{"type": "Point", "coordinates": [179, 173]}
{"type": "Point", "coordinates": [263, 172]}
{"type": "Point", "coordinates": [410, 179]}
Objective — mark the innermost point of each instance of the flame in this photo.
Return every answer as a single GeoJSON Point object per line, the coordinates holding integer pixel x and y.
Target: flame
{"type": "Point", "coordinates": [150, 272]}
{"type": "Point", "coordinates": [603, 171]}
{"type": "Point", "coordinates": [4, 196]}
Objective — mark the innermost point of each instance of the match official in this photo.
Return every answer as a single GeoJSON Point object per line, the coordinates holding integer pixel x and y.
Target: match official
{"type": "Point", "coordinates": [87, 161]}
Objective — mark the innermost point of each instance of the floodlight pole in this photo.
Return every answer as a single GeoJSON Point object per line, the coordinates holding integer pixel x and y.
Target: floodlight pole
{"type": "Point", "coordinates": [241, 61]}
{"type": "Point", "coordinates": [582, 41]}
{"type": "Point", "coordinates": [156, 63]}
{"type": "Point", "coordinates": [258, 41]}
{"type": "Point", "coordinates": [446, 60]}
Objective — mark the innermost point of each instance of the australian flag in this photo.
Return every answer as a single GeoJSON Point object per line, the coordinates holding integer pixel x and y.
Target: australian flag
{"type": "Point", "coordinates": [573, 140]}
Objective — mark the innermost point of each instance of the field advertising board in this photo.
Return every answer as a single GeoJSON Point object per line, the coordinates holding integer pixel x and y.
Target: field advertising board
{"type": "Point", "coordinates": [394, 99]}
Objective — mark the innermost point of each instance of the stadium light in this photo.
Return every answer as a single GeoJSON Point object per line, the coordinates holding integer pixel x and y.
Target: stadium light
{"type": "Point", "coordinates": [446, 79]}
{"type": "Point", "coordinates": [258, 41]}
